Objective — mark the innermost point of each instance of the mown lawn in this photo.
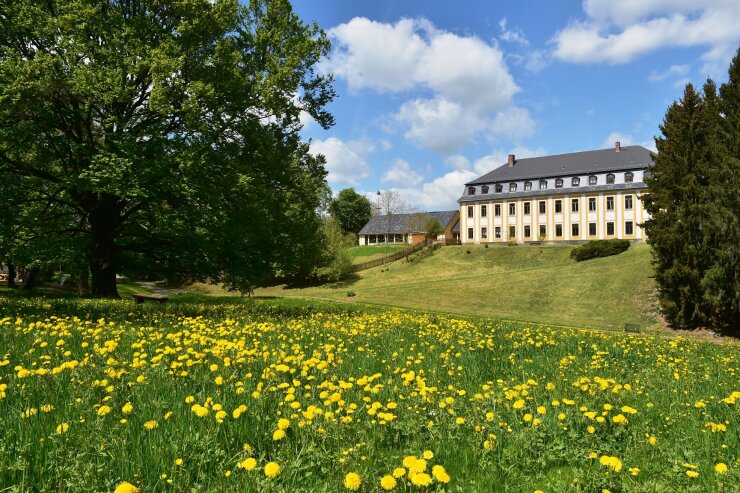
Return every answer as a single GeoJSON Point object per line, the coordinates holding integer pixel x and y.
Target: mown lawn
{"type": "Point", "coordinates": [535, 284]}
{"type": "Point", "coordinates": [285, 395]}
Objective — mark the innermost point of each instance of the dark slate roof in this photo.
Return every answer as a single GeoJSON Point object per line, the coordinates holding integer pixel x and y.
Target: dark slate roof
{"type": "Point", "coordinates": [574, 163]}
{"type": "Point", "coordinates": [456, 227]}
{"type": "Point", "coordinates": [553, 191]}
{"type": "Point", "coordinates": [405, 223]}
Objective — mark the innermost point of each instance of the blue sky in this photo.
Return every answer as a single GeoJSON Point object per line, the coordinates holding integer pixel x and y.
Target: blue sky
{"type": "Point", "coordinates": [432, 94]}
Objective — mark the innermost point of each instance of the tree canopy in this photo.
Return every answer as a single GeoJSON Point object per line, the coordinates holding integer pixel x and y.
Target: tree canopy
{"type": "Point", "coordinates": [694, 206]}
{"type": "Point", "coordinates": [351, 209]}
{"type": "Point", "coordinates": [161, 137]}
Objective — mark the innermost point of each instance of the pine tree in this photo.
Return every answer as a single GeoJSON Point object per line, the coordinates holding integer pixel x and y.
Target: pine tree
{"type": "Point", "coordinates": [677, 194]}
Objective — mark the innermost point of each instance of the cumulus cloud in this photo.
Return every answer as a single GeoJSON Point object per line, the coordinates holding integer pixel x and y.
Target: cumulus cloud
{"type": "Point", "coordinates": [467, 77]}
{"type": "Point", "coordinates": [346, 161]}
{"type": "Point", "coordinates": [513, 35]}
{"type": "Point", "coordinates": [499, 157]}
{"type": "Point", "coordinates": [628, 140]}
{"type": "Point", "coordinates": [401, 173]}
{"type": "Point", "coordinates": [618, 32]}
{"type": "Point", "coordinates": [440, 193]}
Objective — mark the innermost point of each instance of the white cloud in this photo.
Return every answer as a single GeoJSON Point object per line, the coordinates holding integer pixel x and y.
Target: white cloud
{"type": "Point", "coordinates": [467, 77]}
{"type": "Point", "coordinates": [514, 124]}
{"type": "Point", "coordinates": [628, 140]}
{"type": "Point", "coordinates": [618, 32]}
{"type": "Point", "coordinates": [672, 71]}
{"type": "Point", "coordinates": [499, 157]}
{"type": "Point", "coordinates": [457, 162]}
{"type": "Point", "coordinates": [345, 160]}
{"type": "Point", "coordinates": [401, 173]}
{"type": "Point", "coordinates": [439, 194]}
{"type": "Point", "coordinates": [514, 35]}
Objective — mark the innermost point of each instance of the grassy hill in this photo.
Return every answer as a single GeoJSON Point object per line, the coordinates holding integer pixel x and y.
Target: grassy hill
{"type": "Point", "coordinates": [533, 284]}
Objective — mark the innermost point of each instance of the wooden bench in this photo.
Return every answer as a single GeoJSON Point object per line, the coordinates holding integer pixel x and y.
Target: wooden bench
{"type": "Point", "coordinates": [633, 328]}
{"type": "Point", "coordinates": [141, 298]}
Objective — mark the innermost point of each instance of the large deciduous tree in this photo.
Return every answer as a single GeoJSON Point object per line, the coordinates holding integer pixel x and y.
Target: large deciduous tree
{"type": "Point", "coordinates": [694, 206]}
{"type": "Point", "coordinates": [162, 136]}
{"type": "Point", "coordinates": [351, 209]}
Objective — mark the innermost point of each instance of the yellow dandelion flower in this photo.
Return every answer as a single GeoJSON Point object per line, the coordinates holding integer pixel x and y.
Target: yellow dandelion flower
{"type": "Point", "coordinates": [151, 424]}
{"type": "Point", "coordinates": [634, 471]}
{"type": "Point", "coordinates": [399, 472]}
{"type": "Point", "coordinates": [408, 460]}
{"type": "Point", "coordinates": [248, 464]}
{"type": "Point", "coordinates": [178, 462]}
{"type": "Point", "coordinates": [283, 424]}
{"type": "Point", "coordinates": [127, 408]}
{"type": "Point", "coordinates": [352, 481]}
{"type": "Point", "coordinates": [420, 479]}
{"type": "Point", "coordinates": [692, 474]}
{"type": "Point", "coordinates": [103, 410]}
{"type": "Point", "coordinates": [278, 435]}
{"type": "Point", "coordinates": [388, 482]}
{"type": "Point", "coordinates": [126, 487]}
{"type": "Point", "coordinates": [272, 470]}
{"type": "Point", "coordinates": [62, 428]}
{"type": "Point", "coordinates": [428, 455]}
{"type": "Point", "coordinates": [440, 474]}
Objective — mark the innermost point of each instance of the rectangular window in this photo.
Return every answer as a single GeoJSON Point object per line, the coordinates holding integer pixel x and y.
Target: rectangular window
{"type": "Point", "coordinates": [470, 233]}
{"type": "Point", "coordinates": [497, 210]}
{"type": "Point", "coordinates": [629, 228]}
{"type": "Point", "coordinates": [542, 207]}
{"type": "Point", "coordinates": [373, 239]}
{"type": "Point", "coordinates": [628, 202]}
{"type": "Point", "coordinates": [484, 233]}
{"type": "Point", "coordinates": [512, 232]}
{"type": "Point", "coordinates": [527, 231]}
{"type": "Point", "coordinates": [497, 232]}
{"type": "Point", "coordinates": [470, 211]}
{"type": "Point", "coordinates": [527, 207]}
{"type": "Point", "coordinates": [610, 203]}
{"type": "Point", "coordinates": [512, 208]}
{"type": "Point", "coordinates": [610, 228]}
{"type": "Point", "coordinates": [558, 230]}
{"type": "Point", "coordinates": [592, 204]}
{"type": "Point", "coordinates": [592, 229]}
{"type": "Point", "coordinates": [574, 205]}
{"type": "Point", "coordinates": [575, 230]}
{"type": "Point", "coordinates": [543, 231]}
{"type": "Point", "coordinates": [483, 211]}
{"type": "Point", "coordinates": [558, 206]}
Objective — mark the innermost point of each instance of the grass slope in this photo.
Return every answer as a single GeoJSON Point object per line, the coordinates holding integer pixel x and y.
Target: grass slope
{"type": "Point", "coordinates": [534, 284]}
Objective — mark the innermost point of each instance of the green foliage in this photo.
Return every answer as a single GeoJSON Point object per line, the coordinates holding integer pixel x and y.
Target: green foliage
{"type": "Point", "coordinates": [351, 209]}
{"type": "Point", "coordinates": [599, 248]}
{"type": "Point", "coordinates": [432, 228]}
{"type": "Point", "coordinates": [336, 262]}
{"type": "Point", "coordinates": [161, 138]}
{"type": "Point", "coordinates": [694, 203]}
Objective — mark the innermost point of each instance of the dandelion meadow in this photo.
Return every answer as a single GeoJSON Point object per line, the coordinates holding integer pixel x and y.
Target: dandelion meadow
{"type": "Point", "coordinates": [270, 395]}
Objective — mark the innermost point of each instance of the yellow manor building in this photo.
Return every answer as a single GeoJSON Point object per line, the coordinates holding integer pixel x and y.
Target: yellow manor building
{"type": "Point", "coordinates": [581, 196]}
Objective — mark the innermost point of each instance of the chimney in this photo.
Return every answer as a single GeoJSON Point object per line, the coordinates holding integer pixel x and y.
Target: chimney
{"type": "Point", "coordinates": [617, 146]}
{"type": "Point", "coordinates": [512, 160]}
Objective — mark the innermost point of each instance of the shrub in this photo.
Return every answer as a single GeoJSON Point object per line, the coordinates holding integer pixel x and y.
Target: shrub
{"type": "Point", "coordinates": [350, 294]}
{"type": "Point", "coordinates": [599, 248]}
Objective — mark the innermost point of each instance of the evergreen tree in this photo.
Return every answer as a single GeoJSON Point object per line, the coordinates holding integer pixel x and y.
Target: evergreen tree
{"type": "Point", "coordinates": [676, 198]}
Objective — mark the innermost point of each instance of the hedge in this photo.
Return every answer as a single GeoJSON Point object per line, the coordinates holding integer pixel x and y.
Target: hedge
{"type": "Point", "coordinates": [599, 248]}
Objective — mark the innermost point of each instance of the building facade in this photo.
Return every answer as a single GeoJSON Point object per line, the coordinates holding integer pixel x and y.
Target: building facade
{"type": "Point", "coordinates": [408, 228]}
{"type": "Point", "coordinates": [576, 197]}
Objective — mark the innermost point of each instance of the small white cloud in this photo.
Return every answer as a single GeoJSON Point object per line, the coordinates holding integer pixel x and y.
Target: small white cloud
{"type": "Point", "coordinates": [401, 173]}
{"type": "Point", "coordinates": [672, 71]}
{"type": "Point", "coordinates": [514, 35]}
{"type": "Point", "coordinates": [457, 162]}
{"type": "Point", "coordinates": [514, 124]}
{"type": "Point", "coordinates": [619, 32]}
{"type": "Point", "coordinates": [628, 140]}
{"type": "Point", "coordinates": [386, 145]}
{"type": "Point", "coordinates": [346, 161]}
{"type": "Point", "coordinates": [499, 157]}
{"type": "Point", "coordinates": [439, 194]}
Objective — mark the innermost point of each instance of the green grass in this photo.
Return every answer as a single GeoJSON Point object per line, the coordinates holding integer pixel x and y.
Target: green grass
{"type": "Point", "coordinates": [533, 284]}
{"type": "Point", "coordinates": [502, 406]}
{"type": "Point", "coordinates": [372, 251]}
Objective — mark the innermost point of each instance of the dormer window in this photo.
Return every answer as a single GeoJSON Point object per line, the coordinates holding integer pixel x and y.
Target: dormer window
{"type": "Point", "coordinates": [543, 184]}
{"type": "Point", "coordinates": [575, 182]}
{"type": "Point", "coordinates": [484, 189]}
{"type": "Point", "coordinates": [592, 180]}
{"type": "Point", "coordinates": [527, 185]}
{"type": "Point", "coordinates": [559, 183]}
{"type": "Point", "coordinates": [610, 179]}
{"type": "Point", "coordinates": [499, 188]}
{"type": "Point", "coordinates": [471, 190]}
{"type": "Point", "coordinates": [628, 177]}
{"type": "Point", "coordinates": [512, 187]}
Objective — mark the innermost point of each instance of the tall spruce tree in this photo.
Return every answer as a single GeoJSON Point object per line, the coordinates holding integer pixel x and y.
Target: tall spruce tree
{"type": "Point", "coordinates": [676, 198]}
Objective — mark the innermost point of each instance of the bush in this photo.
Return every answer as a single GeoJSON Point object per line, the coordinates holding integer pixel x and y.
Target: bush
{"type": "Point", "coordinates": [599, 248]}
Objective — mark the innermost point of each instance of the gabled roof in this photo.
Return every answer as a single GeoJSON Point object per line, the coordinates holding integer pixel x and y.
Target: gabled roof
{"type": "Point", "coordinates": [406, 223]}
{"type": "Point", "coordinates": [574, 163]}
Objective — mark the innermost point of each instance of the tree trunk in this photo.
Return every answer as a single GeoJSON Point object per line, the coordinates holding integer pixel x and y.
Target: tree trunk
{"type": "Point", "coordinates": [83, 282]}
{"type": "Point", "coordinates": [11, 276]}
{"type": "Point", "coordinates": [102, 255]}
{"type": "Point", "coordinates": [31, 278]}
